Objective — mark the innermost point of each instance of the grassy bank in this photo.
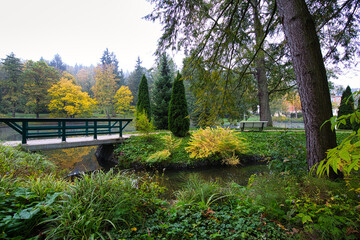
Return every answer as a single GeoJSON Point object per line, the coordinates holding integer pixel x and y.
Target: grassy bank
{"type": "Point", "coordinates": [283, 150]}
{"type": "Point", "coordinates": [36, 202]}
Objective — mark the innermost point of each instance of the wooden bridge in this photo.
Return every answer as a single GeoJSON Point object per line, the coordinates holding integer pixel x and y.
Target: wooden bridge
{"type": "Point", "coordinates": [57, 133]}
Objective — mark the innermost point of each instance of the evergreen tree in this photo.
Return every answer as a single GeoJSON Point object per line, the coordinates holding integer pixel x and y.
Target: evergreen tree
{"type": "Point", "coordinates": [135, 78]}
{"type": "Point", "coordinates": [356, 125]}
{"type": "Point", "coordinates": [143, 103]}
{"type": "Point", "coordinates": [110, 59]}
{"type": "Point", "coordinates": [39, 79]}
{"type": "Point", "coordinates": [346, 107]}
{"type": "Point", "coordinates": [162, 94]}
{"type": "Point", "coordinates": [179, 122]}
{"type": "Point", "coordinates": [57, 63]}
{"type": "Point", "coordinates": [12, 85]}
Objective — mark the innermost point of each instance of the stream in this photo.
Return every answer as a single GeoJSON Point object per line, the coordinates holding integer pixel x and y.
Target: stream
{"type": "Point", "coordinates": [82, 159]}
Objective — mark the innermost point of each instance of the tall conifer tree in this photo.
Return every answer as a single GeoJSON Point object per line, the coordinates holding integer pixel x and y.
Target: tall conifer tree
{"type": "Point", "coordinates": [346, 107]}
{"type": "Point", "coordinates": [162, 94]}
{"type": "Point", "coordinates": [12, 85]}
{"type": "Point", "coordinates": [143, 103]}
{"type": "Point", "coordinates": [39, 78]}
{"type": "Point", "coordinates": [135, 78]}
{"type": "Point", "coordinates": [179, 121]}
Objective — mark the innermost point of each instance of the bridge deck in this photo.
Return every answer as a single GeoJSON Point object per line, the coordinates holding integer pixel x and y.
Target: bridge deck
{"type": "Point", "coordinates": [48, 144]}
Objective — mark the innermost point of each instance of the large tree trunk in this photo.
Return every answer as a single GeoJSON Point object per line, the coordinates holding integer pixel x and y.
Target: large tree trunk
{"type": "Point", "coordinates": [263, 92]}
{"type": "Point", "coordinates": [299, 29]}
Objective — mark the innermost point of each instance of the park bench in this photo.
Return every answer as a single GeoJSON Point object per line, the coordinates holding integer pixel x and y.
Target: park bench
{"type": "Point", "coordinates": [253, 124]}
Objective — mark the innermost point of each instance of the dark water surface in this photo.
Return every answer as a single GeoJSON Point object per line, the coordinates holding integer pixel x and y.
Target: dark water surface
{"type": "Point", "coordinates": [174, 180]}
{"type": "Point", "coordinates": [77, 160]}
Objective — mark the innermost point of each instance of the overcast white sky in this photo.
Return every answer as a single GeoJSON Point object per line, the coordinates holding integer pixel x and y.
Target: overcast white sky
{"type": "Point", "coordinates": [80, 31]}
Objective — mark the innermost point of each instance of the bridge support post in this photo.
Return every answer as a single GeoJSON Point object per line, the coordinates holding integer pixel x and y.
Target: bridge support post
{"type": "Point", "coordinates": [105, 156]}
{"type": "Point", "coordinates": [24, 131]}
{"type": "Point", "coordinates": [121, 128]}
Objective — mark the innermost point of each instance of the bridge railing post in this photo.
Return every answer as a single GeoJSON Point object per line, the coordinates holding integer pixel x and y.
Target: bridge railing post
{"type": "Point", "coordinates": [120, 128]}
{"type": "Point", "coordinates": [24, 131]}
{"type": "Point", "coordinates": [95, 129]}
{"type": "Point", "coordinates": [87, 128]}
{"type": "Point", "coordinates": [63, 131]}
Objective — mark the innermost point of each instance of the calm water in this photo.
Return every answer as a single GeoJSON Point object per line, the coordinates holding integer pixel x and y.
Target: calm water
{"type": "Point", "coordinates": [83, 159]}
{"type": "Point", "coordinates": [175, 179]}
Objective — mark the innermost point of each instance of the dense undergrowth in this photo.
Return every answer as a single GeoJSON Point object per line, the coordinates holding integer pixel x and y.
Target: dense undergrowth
{"type": "Point", "coordinates": [37, 202]}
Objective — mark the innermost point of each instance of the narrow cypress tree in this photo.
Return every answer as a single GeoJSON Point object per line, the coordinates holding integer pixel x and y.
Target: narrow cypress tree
{"type": "Point", "coordinates": [179, 122]}
{"type": "Point", "coordinates": [162, 95]}
{"type": "Point", "coordinates": [356, 124]}
{"type": "Point", "coordinates": [143, 103]}
{"type": "Point", "coordinates": [346, 107]}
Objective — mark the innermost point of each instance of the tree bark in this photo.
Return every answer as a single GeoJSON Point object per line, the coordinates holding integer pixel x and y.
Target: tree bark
{"type": "Point", "coordinates": [299, 29]}
{"type": "Point", "coordinates": [263, 92]}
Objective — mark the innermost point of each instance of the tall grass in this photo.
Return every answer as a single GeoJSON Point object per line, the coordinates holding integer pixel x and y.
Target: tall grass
{"type": "Point", "coordinates": [103, 202]}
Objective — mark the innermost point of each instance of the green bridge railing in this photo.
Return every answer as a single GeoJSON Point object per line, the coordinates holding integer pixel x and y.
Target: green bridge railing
{"type": "Point", "coordinates": [64, 127]}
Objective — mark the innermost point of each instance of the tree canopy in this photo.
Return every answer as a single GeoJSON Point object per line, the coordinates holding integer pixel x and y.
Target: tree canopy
{"type": "Point", "coordinates": [39, 78]}
{"type": "Point", "coordinates": [67, 99]}
{"type": "Point", "coordinates": [123, 99]}
{"type": "Point", "coordinates": [105, 87]}
{"type": "Point", "coordinates": [12, 85]}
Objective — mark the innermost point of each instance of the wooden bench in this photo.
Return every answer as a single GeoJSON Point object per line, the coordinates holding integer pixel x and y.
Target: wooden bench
{"type": "Point", "coordinates": [253, 124]}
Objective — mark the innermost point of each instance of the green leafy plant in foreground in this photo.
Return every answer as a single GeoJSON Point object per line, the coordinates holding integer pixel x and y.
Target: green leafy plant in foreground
{"type": "Point", "coordinates": [316, 208]}
{"type": "Point", "coordinates": [346, 156]}
{"type": "Point", "coordinates": [21, 211]}
{"type": "Point", "coordinates": [100, 202]}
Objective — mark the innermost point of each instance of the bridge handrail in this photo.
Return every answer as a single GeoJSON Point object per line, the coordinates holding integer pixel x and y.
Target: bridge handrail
{"type": "Point", "coordinates": [89, 127]}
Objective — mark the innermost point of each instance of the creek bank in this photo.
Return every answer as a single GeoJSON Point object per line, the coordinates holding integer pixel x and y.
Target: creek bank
{"type": "Point", "coordinates": [207, 163]}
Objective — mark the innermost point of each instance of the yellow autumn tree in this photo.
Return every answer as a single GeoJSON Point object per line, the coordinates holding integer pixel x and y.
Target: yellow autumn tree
{"type": "Point", "coordinates": [105, 87]}
{"type": "Point", "coordinates": [123, 99]}
{"type": "Point", "coordinates": [292, 100]}
{"type": "Point", "coordinates": [67, 99]}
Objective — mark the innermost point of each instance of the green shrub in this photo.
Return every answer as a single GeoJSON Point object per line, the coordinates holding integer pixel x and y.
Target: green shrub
{"type": "Point", "coordinates": [18, 163]}
{"type": "Point", "coordinates": [143, 123]}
